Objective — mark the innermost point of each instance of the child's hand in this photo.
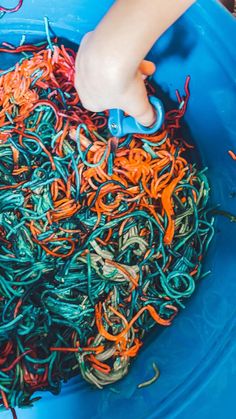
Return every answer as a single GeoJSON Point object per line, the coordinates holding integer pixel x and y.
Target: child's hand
{"type": "Point", "coordinates": [109, 66]}
{"type": "Point", "coordinates": [104, 84]}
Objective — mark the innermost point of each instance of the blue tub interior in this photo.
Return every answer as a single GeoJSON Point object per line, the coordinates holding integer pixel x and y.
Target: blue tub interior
{"type": "Point", "coordinates": [196, 348]}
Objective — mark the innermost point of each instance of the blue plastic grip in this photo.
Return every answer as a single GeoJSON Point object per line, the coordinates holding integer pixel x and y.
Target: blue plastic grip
{"type": "Point", "coordinates": [119, 125]}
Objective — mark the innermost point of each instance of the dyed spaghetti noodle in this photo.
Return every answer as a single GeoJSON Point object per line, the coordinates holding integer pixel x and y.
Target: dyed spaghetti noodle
{"type": "Point", "coordinates": [100, 239]}
{"type": "Point", "coordinates": [4, 10]}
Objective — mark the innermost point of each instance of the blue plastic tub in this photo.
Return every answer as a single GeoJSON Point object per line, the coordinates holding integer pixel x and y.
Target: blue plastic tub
{"type": "Point", "coordinates": [197, 355]}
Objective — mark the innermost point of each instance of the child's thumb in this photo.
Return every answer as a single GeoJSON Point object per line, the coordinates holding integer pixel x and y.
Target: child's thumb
{"type": "Point", "coordinates": [147, 118]}
{"type": "Point", "coordinates": [137, 105]}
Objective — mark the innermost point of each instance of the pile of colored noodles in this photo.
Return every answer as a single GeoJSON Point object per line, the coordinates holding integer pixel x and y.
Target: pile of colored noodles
{"type": "Point", "coordinates": [100, 239]}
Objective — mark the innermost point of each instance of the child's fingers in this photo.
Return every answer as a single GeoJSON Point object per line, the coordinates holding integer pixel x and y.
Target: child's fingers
{"type": "Point", "coordinates": [147, 67]}
{"type": "Point", "coordinates": [137, 105]}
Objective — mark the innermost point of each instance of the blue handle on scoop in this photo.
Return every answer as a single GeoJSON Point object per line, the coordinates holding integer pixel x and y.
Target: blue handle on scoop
{"type": "Point", "coordinates": [119, 125]}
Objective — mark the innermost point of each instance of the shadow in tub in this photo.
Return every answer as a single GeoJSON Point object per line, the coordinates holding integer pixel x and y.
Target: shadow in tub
{"type": "Point", "coordinates": [179, 40]}
{"type": "Point", "coordinates": [192, 154]}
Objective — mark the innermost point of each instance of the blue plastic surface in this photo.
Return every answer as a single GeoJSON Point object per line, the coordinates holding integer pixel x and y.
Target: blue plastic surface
{"type": "Point", "coordinates": [197, 355]}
